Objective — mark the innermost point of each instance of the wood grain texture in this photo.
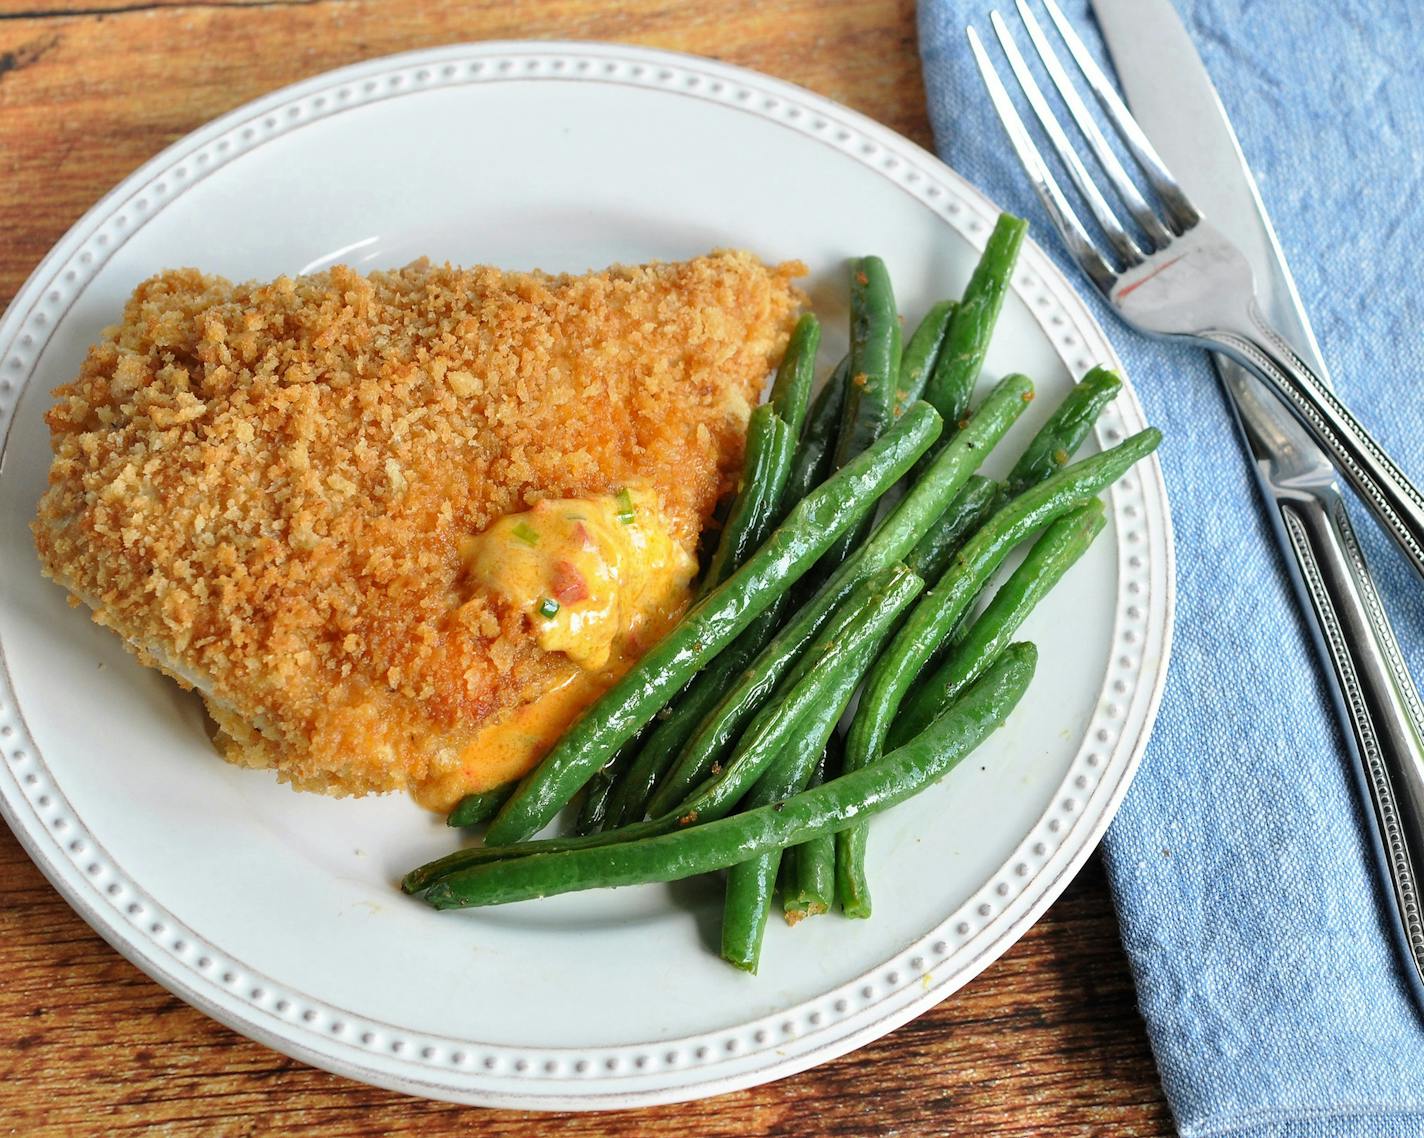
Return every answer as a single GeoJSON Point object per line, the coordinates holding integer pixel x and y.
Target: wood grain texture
{"type": "Point", "coordinates": [1046, 1041]}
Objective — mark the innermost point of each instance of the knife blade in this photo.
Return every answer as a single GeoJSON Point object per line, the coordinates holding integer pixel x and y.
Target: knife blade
{"type": "Point", "coordinates": [1172, 96]}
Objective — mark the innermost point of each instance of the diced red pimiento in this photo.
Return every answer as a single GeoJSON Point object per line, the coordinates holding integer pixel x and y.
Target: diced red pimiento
{"type": "Point", "coordinates": [580, 535]}
{"type": "Point", "coordinates": [569, 585]}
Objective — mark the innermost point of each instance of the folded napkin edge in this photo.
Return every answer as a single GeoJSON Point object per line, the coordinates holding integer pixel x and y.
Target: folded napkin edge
{"type": "Point", "coordinates": [1358, 1120]}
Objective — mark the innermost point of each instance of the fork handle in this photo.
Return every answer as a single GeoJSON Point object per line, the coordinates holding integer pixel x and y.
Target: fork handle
{"type": "Point", "coordinates": [1393, 499]}
{"type": "Point", "coordinates": [1374, 696]}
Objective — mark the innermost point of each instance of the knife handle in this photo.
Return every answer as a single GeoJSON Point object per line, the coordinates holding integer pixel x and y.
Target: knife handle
{"type": "Point", "coordinates": [1381, 484]}
{"type": "Point", "coordinates": [1374, 695]}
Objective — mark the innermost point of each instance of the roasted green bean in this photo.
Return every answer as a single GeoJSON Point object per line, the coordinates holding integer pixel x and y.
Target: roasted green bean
{"type": "Point", "coordinates": [870, 398]}
{"type": "Point", "coordinates": [1065, 430]}
{"type": "Point", "coordinates": [480, 806]}
{"type": "Point", "coordinates": [810, 887]}
{"type": "Point", "coordinates": [826, 809]}
{"type": "Point", "coordinates": [820, 517]}
{"type": "Point", "coordinates": [848, 647]}
{"type": "Point", "coordinates": [792, 389]}
{"type": "Point", "coordinates": [940, 608]}
{"type": "Point", "coordinates": [594, 812]}
{"type": "Point", "coordinates": [921, 354]}
{"type": "Point", "coordinates": [971, 327]}
{"type": "Point", "coordinates": [929, 497]}
{"type": "Point", "coordinates": [815, 455]}
{"type": "Point", "coordinates": [1052, 555]}
{"type": "Point", "coordinates": [771, 445]}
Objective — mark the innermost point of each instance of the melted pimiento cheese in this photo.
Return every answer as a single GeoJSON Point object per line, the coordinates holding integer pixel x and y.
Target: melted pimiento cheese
{"type": "Point", "coordinates": [593, 574]}
{"type": "Point", "coordinates": [508, 746]}
{"type": "Point", "coordinates": [600, 580]}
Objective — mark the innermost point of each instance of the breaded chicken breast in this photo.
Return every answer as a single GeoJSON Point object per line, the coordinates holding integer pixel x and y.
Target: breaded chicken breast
{"type": "Point", "coordinates": [398, 529]}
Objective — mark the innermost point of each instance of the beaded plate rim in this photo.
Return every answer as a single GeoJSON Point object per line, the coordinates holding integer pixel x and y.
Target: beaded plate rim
{"type": "Point", "coordinates": [914, 979]}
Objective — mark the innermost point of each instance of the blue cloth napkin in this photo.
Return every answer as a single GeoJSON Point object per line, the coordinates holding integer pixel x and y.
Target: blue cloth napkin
{"type": "Point", "coordinates": [1239, 862]}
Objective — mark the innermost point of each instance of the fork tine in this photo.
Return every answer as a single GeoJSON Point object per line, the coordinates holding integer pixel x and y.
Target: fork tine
{"type": "Point", "coordinates": [1123, 244]}
{"type": "Point", "coordinates": [1079, 243]}
{"type": "Point", "coordinates": [1136, 204]}
{"type": "Point", "coordinates": [1179, 207]}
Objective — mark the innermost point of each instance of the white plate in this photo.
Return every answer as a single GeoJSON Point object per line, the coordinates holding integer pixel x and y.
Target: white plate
{"type": "Point", "coordinates": [275, 912]}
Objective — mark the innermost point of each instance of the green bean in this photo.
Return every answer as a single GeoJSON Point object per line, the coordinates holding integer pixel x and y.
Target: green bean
{"type": "Point", "coordinates": [792, 389]}
{"type": "Point", "coordinates": [666, 741]}
{"type": "Point", "coordinates": [870, 399]}
{"type": "Point", "coordinates": [897, 361]}
{"type": "Point", "coordinates": [810, 887]}
{"type": "Point", "coordinates": [1052, 555]}
{"type": "Point", "coordinates": [480, 806]}
{"type": "Point", "coordinates": [929, 497]}
{"type": "Point", "coordinates": [771, 445]}
{"type": "Point", "coordinates": [1065, 429]}
{"type": "Point", "coordinates": [679, 719]}
{"type": "Point", "coordinates": [921, 353]}
{"type": "Point", "coordinates": [758, 748]}
{"type": "Point", "coordinates": [968, 511]}
{"type": "Point", "coordinates": [594, 812]}
{"type": "Point", "coordinates": [818, 441]}
{"type": "Point", "coordinates": [784, 883]}
{"type": "Point", "coordinates": [745, 904]}
{"type": "Point", "coordinates": [826, 809]}
{"type": "Point", "coordinates": [1049, 450]}
{"type": "Point", "coordinates": [942, 606]}
{"type": "Point", "coordinates": [872, 609]}
{"type": "Point", "coordinates": [830, 642]}
{"type": "Point", "coordinates": [832, 655]}
{"type": "Point", "coordinates": [873, 321]}
{"type": "Point", "coordinates": [423, 876]}
{"type": "Point", "coordinates": [967, 342]}
{"type": "Point", "coordinates": [795, 545]}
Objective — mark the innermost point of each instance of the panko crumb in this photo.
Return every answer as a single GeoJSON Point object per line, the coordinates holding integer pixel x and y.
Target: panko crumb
{"type": "Point", "coordinates": [262, 487]}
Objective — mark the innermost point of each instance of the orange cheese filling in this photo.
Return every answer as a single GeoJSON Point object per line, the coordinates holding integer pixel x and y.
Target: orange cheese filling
{"type": "Point", "coordinates": [591, 573]}
{"type": "Point", "coordinates": [600, 579]}
{"type": "Point", "coordinates": [510, 745]}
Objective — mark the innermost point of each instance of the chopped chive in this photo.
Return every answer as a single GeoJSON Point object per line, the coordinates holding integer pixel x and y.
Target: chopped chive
{"type": "Point", "coordinates": [549, 607]}
{"type": "Point", "coordinates": [625, 506]}
{"type": "Point", "coordinates": [526, 533]}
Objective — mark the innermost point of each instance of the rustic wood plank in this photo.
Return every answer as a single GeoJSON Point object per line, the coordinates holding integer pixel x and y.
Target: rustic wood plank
{"type": "Point", "coordinates": [85, 100]}
{"type": "Point", "coordinates": [49, 9]}
{"type": "Point", "coordinates": [1045, 1041]}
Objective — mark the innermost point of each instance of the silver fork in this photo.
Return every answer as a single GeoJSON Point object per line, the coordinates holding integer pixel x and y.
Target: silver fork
{"type": "Point", "coordinates": [1186, 281]}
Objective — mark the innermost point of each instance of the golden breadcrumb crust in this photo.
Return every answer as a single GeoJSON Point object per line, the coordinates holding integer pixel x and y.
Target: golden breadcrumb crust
{"type": "Point", "coordinates": [262, 487]}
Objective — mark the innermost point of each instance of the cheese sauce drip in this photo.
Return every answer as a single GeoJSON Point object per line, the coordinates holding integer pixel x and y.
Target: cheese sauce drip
{"type": "Point", "coordinates": [591, 573]}
{"type": "Point", "coordinates": [508, 747]}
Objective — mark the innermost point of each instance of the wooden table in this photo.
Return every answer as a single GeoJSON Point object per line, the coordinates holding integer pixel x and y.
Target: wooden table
{"type": "Point", "coordinates": [1048, 1040]}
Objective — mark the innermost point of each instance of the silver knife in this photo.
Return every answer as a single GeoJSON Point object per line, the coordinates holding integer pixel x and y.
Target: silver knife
{"type": "Point", "coordinates": [1171, 95]}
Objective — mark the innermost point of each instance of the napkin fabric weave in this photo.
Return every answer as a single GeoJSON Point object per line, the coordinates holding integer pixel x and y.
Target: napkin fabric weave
{"type": "Point", "coordinates": [1240, 863]}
